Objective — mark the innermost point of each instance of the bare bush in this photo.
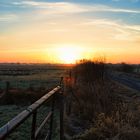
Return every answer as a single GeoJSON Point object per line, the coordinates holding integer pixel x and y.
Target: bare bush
{"type": "Point", "coordinates": [92, 100]}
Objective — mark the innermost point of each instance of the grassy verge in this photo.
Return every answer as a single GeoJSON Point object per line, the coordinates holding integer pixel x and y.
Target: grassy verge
{"type": "Point", "coordinates": [96, 109]}
{"type": "Point", "coordinates": [23, 132]}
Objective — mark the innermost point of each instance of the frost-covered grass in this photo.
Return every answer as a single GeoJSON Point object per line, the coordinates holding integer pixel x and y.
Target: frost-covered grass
{"type": "Point", "coordinates": [41, 79]}
{"type": "Point", "coordinates": [25, 94]}
{"type": "Point", "coordinates": [7, 112]}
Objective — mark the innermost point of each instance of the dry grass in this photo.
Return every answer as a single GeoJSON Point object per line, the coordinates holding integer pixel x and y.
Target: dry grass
{"type": "Point", "coordinates": [89, 86]}
{"type": "Point", "coordinates": [105, 109]}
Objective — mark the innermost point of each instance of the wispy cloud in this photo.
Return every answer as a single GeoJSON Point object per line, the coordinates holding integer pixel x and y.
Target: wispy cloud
{"type": "Point", "coordinates": [67, 7]}
{"type": "Point", "coordinates": [8, 17]}
{"type": "Point", "coordinates": [118, 30]}
{"type": "Point", "coordinates": [39, 10]}
{"type": "Point", "coordinates": [134, 27]}
{"type": "Point", "coordinates": [126, 1]}
{"type": "Point", "coordinates": [45, 11]}
{"type": "Point", "coordinates": [111, 23]}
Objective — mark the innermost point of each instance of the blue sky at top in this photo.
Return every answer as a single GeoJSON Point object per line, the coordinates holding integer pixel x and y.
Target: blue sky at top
{"type": "Point", "coordinates": [14, 12]}
{"type": "Point", "coordinates": [9, 6]}
{"type": "Point", "coordinates": [115, 3]}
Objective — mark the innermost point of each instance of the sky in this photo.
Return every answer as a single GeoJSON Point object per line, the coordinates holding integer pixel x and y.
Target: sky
{"type": "Point", "coordinates": [56, 31]}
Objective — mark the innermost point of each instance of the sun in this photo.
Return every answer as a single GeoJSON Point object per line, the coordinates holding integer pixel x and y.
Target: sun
{"type": "Point", "coordinates": [69, 54]}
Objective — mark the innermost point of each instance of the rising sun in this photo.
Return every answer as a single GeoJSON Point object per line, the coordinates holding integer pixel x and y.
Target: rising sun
{"type": "Point", "coordinates": [69, 53]}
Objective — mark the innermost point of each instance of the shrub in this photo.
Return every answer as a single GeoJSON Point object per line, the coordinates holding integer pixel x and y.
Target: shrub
{"type": "Point", "coordinates": [90, 89]}
{"type": "Point", "coordinates": [92, 97]}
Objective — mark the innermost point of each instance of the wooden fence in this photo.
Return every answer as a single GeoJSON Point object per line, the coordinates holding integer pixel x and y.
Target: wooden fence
{"type": "Point", "coordinates": [53, 95]}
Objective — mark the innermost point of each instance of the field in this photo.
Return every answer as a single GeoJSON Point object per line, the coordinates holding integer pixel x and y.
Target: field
{"type": "Point", "coordinates": [99, 103]}
{"type": "Point", "coordinates": [23, 132]}
{"type": "Point", "coordinates": [26, 84]}
{"type": "Point", "coordinates": [25, 76]}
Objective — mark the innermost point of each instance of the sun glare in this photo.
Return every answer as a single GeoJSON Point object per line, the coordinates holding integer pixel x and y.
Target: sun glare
{"type": "Point", "coordinates": [69, 53]}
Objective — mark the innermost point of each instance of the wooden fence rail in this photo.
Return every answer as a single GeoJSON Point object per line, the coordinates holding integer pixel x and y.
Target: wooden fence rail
{"type": "Point", "coordinates": [9, 127]}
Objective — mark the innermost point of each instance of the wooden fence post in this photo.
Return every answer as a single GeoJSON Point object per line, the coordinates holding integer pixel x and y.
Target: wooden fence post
{"type": "Point", "coordinates": [33, 126]}
{"type": "Point", "coordinates": [51, 121]}
{"type": "Point", "coordinates": [61, 116]}
{"type": "Point", "coordinates": [61, 104]}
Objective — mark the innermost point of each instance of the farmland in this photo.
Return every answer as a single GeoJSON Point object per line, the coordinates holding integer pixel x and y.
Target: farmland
{"type": "Point", "coordinates": [26, 84]}
{"type": "Point", "coordinates": [97, 104]}
{"type": "Point", "coordinates": [25, 76]}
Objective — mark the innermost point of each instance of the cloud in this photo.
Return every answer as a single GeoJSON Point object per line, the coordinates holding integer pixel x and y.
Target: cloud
{"type": "Point", "coordinates": [67, 7]}
{"type": "Point", "coordinates": [116, 29]}
{"type": "Point", "coordinates": [31, 3]}
{"type": "Point", "coordinates": [134, 27]}
{"type": "Point", "coordinates": [112, 23]}
{"type": "Point", "coordinates": [39, 10]}
{"type": "Point", "coordinates": [126, 1]}
{"type": "Point", "coordinates": [44, 19]}
{"type": "Point", "coordinates": [8, 17]}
